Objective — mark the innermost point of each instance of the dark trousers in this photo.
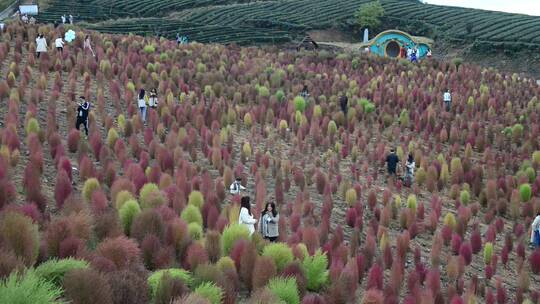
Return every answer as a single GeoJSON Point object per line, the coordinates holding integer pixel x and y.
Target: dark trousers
{"type": "Point", "coordinates": [84, 122]}
{"type": "Point", "coordinates": [448, 104]}
{"type": "Point", "coordinates": [271, 238]}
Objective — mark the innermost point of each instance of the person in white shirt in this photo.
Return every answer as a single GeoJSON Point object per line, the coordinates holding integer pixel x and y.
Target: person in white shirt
{"type": "Point", "coordinates": [59, 43]}
{"type": "Point", "coordinates": [409, 171]}
{"type": "Point", "coordinates": [41, 45]}
{"type": "Point", "coordinates": [409, 52]}
{"type": "Point", "coordinates": [70, 19]}
{"type": "Point", "coordinates": [153, 100]}
{"type": "Point", "coordinates": [447, 97]}
{"type": "Point", "coordinates": [236, 186]}
{"type": "Point", "coordinates": [535, 231]}
{"type": "Point", "coordinates": [63, 17]}
{"type": "Point", "coordinates": [246, 218]}
{"type": "Point", "coordinates": [142, 105]}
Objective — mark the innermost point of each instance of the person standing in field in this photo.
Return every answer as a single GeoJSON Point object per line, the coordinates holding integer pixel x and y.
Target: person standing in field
{"type": "Point", "coordinates": [447, 97]}
{"type": "Point", "coordinates": [236, 186]}
{"type": "Point", "coordinates": [41, 45]}
{"type": "Point", "coordinates": [63, 18]}
{"type": "Point", "coordinates": [82, 114]}
{"type": "Point", "coordinates": [305, 92]}
{"type": "Point", "coordinates": [246, 218]}
{"type": "Point", "coordinates": [343, 104]}
{"type": "Point", "coordinates": [88, 45]}
{"type": "Point", "coordinates": [269, 222]}
{"type": "Point", "coordinates": [70, 19]}
{"type": "Point", "coordinates": [535, 231]}
{"type": "Point", "coordinates": [59, 43]}
{"type": "Point", "coordinates": [409, 171]}
{"type": "Point", "coordinates": [142, 104]}
{"type": "Point", "coordinates": [392, 161]}
{"type": "Point", "coordinates": [153, 100]}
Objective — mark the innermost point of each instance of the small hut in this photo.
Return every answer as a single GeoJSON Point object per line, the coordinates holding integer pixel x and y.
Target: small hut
{"type": "Point", "coordinates": [307, 43]}
{"type": "Point", "coordinates": [391, 43]}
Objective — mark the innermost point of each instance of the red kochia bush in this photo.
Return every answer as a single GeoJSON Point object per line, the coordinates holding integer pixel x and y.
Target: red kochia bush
{"type": "Point", "coordinates": [121, 251]}
{"type": "Point", "coordinates": [465, 252]}
{"type": "Point", "coordinates": [310, 238]}
{"type": "Point", "coordinates": [264, 270]}
{"type": "Point", "coordinates": [87, 286]}
{"type": "Point", "coordinates": [375, 277]}
{"type": "Point", "coordinates": [534, 260]}
{"type": "Point", "coordinates": [128, 287]}
{"type": "Point", "coordinates": [196, 255]}
{"type": "Point", "coordinates": [313, 298]}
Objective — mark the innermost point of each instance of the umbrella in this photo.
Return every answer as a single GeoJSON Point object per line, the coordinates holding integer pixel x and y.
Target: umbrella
{"type": "Point", "coordinates": [69, 36]}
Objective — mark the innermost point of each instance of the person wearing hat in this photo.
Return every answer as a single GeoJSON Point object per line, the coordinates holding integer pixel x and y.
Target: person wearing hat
{"type": "Point", "coordinates": [236, 186]}
{"type": "Point", "coordinates": [82, 114]}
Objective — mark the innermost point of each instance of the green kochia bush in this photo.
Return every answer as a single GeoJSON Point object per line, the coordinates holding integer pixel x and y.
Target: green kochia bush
{"type": "Point", "coordinates": [54, 270]}
{"type": "Point", "coordinates": [280, 253]}
{"type": "Point", "coordinates": [525, 192]}
{"type": "Point", "coordinates": [196, 198]}
{"type": "Point", "coordinates": [231, 234]}
{"type": "Point", "coordinates": [210, 291]}
{"type": "Point", "coordinates": [285, 289]}
{"type": "Point", "coordinates": [192, 214]}
{"type": "Point", "coordinates": [127, 213]}
{"type": "Point", "coordinates": [175, 273]}
{"type": "Point", "coordinates": [316, 270]}
{"type": "Point", "coordinates": [299, 104]}
{"type": "Point", "coordinates": [21, 236]}
{"type": "Point", "coordinates": [28, 288]}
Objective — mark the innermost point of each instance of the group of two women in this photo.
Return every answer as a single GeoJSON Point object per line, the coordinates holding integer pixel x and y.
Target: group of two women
{"type": "Point", "coordinates": [268, 225]}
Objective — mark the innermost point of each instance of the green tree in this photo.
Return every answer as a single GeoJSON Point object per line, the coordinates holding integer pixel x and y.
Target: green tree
{"type": "Point", "coordinates": [369, 15]}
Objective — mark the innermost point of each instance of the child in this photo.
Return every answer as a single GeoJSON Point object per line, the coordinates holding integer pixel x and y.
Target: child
{"type": "Point", "coordinates": [269, 222]}
{"type": "Point", "coordinates": [246, 218]}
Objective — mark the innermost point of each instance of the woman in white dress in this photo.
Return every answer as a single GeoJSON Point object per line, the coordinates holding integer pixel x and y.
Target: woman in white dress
{"type": "Point", "coordinates": [246, 218]}
{"type": "Point", "coordinates": [41, 45]}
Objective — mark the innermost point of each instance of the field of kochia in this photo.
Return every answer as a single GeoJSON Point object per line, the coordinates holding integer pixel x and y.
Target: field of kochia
{"type": "Point", "coordinates": [284, 20]}
{"type": "Point", "coordinates": [140, 213]}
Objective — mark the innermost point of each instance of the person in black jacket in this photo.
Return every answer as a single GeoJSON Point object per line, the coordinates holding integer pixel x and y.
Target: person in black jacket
{"type": "Point", "coordinates": [343, 102]}
{"type": "Point", "coordinates": [82, 114]}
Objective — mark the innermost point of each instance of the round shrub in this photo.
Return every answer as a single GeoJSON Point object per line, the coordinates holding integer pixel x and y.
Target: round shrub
{"type": "Point", "coordinates": [285, 289]}
{"type": "Point", "coordinates": [32, 126]}
{"type": "Point", "coordinates": [148, 194]}
{"type": "Point", "coordinates": [299, 104]}
{"type": "Point", "coordinates": [84, 286]}
{"type": "Point", "coordinates": [280, 95]}
{"type": "Point", "coordinates": [283, 124]}
{"type": "Point", "coordinates": [525, 192]}
{"type": "Point", "coordinates": [488, 252]}
{"type": "Point", "coordinates": [128, 287]}
{"type": "Point", "coordinates": [122, 197]}
{"type": "Point", "coordinates": [248, 120]}
{"type": "Point", "coordinates": [210, 291]}
{"type": "Point", "coordinates": [281, 253]}
{"type": "Point", "coordinates": [225, 262]}
{"type": "Point", "coordinates": [196, 199]}
{"type": "Point", "coordinates": [174, 273]}
{"type": "Point", "coordinates": [195, 231]}
{"type": "Point", "coordinates": [246, 149]}
{"type": "Point", "coordinates": [411, 202]}
{"type": "Point", "coordinates": [332, 127]}
{"type": "Point", "coordinates": [316, 270]}
{"type": "Point", "coordinates": [351, 196]}
{"type": "Point", "coordinates": [317, 111]}
{"type": "Point", "coordinates": [28, 288]}
{"type": "Point", "coordinates": [112, 137]}
{"type": "Point", "coordinates": [536, 157]}
{"type": "Point", "coordinates": [231, 234]}
{"type": "Point", "coordinates": [192, 214]}
{"type": "Point", "coordinates": [450, 220]}
{"type": "Point", "coordinates": [149, 48]}
{"type": "Point", "coordinates": [54, 270]}
{"type": "Point", "coordinates": [464, 197]}
{"type": "Point", "coordinates": [20, 235]}
{"type": "Point", "coordinates": [91, 185]}
{"type": "Point", "coordinates": [127, 213]}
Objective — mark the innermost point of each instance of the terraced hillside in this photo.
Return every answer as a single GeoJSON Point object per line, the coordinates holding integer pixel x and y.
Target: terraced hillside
{"type": "Point", "coordinates": [246, 21]}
